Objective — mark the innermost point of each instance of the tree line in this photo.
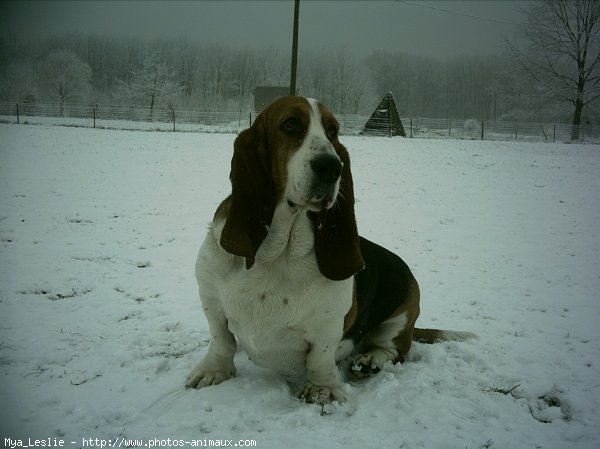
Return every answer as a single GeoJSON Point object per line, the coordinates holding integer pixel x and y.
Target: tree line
{"type": "Point", "coordinates": [182, 73]}
{"type": "Point", "coordinates": [176, 72]}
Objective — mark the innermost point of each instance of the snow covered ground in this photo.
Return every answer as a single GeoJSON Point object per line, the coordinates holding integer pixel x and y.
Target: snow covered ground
{"type": "Point", "coordinates": [101, 322]}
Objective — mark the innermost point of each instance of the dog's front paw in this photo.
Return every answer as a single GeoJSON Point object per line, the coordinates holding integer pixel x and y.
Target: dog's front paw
{"type": "Point", "coordinates": [314, 394]}
{"type": "Point", "coordinates": [204, 376]}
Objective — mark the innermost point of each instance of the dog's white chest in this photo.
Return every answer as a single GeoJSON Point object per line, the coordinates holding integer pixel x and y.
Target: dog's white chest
{"type": "Point", "coordinates": [270, 314]}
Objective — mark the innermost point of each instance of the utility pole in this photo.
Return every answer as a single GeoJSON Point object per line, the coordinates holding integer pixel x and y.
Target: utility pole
{"type": "Point", "coordinates": [294, 48]}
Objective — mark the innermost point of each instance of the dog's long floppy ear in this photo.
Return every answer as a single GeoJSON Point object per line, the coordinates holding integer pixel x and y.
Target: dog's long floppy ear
{"type": "Point", "coordinates": [336, 236]}
{"type": "Point", "coordinates": [252, 194]}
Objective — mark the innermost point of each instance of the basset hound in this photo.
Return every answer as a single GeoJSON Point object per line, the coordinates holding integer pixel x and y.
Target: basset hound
{"type": "Point", "coordinates": [283, 271]}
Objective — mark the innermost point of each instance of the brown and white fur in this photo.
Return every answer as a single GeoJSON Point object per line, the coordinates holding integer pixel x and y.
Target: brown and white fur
{"type": "Point", "coordinates": [283, 271]}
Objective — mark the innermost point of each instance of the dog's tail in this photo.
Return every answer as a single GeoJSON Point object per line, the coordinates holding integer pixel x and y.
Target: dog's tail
{"type": "Point", "coordinates": [437, 335]}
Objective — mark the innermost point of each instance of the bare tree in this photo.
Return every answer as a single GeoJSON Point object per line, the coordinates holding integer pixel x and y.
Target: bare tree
{"type": "Point", "coordinates": [64, 76]}
{"type": "Point", "coordinates": [152, 85]}
{"type": "Point", "coordinates": [95, 52]}
{"type": "Point", "coordinates": [560, 49]}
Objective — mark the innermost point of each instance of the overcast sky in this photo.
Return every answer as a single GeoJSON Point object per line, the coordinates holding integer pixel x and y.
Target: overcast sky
{"type": "Point", "coordinates": [430, 28]}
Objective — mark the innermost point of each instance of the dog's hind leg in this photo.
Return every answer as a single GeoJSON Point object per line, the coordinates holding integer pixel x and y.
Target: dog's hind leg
{"type": "Point", "coordinates": [390, 340]}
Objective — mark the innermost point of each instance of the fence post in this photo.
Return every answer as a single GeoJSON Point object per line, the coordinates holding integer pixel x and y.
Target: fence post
{"type": "Point", "coordinates": [173, 114]}
{"type": "Point", "coordinates": [449, 127]}
{"type": "Point", "coordinates": [95, 106]}
{"type": "Point", "coordinates": [516, 130]}
{"type": "Point", "coordinates": [250, 121]}
{"type": "Point", "coordinates": [411, 127]}
{"type": "Point", "coordinates": [554, 133]}
{"type": "Point", "coordinates": [482, 125]}
{"type": "Point", "coordinates": [18, 121]}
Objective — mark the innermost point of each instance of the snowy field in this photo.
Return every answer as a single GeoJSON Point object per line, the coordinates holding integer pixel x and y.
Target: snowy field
{"type": "Point", "coordinates": [101, 322]}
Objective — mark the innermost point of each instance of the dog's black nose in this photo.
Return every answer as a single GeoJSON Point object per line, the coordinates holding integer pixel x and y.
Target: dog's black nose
{"type": "Point", "coordinates": [327, 167]}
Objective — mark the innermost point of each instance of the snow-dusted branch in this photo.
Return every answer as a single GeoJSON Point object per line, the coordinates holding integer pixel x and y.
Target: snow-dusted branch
{"type": "Point", "coordinates": [560, 50]}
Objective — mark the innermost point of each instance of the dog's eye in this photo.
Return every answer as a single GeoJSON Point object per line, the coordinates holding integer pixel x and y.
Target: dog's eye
{"type": "Point", "coordinates": [331, 132]}
{"type": "Point", "coordinates": [291, 125]}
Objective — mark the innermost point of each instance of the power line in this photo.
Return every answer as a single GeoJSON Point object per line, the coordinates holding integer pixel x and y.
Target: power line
{"type": "Point", "coordinates": [458, 13]}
